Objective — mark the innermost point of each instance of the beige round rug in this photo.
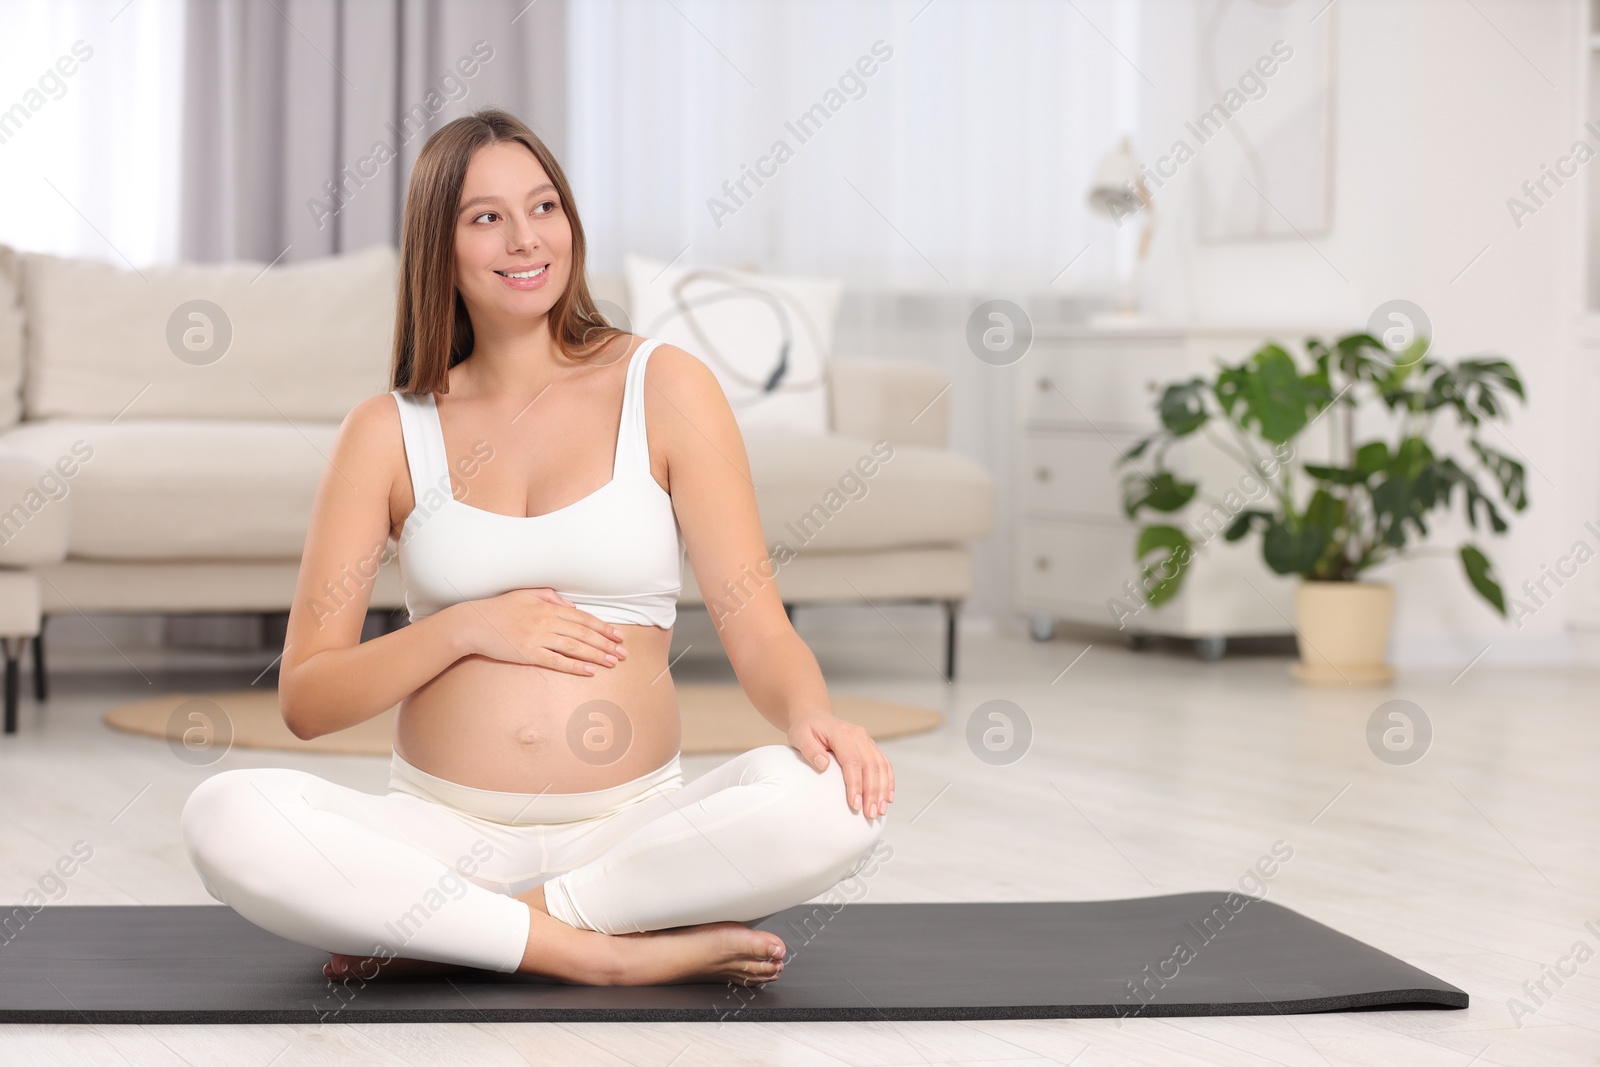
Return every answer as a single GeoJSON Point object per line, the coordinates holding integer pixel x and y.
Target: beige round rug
{"type": "Point", "coordinates": [716, 718]}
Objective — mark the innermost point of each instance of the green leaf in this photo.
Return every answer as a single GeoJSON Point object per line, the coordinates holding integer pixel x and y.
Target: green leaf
{"type": "Point", "coordinates": [1183, 407]}
{"type": "Point", "coordinates": [1507, 471]}
{"type": "Point", "coordinates": [1326, 511]}
{"type": "Point", "coordinates": [1318, 384]}
{"type": "Point", "coordinates": [1480, 378]}
{"type": "Point", "coordinates": [1477, 568]}
{"type": "Point", "coordinates": [1351, 344]}
{"type": "Point", "coordinates": [1336, 475]}
{"type": "Point", "coordinates": [1293, 550]}
{"type": "Point", "coordinates": [1406, 362]}
{"type": "Point", "coordinates": [1372, 458]}
{"type": "Point", "coordinates": [1266, 392]}
{"type": "Point", "coordinates": [1431, 488]}
{"type": "Point", "coordinates": [1230, 388]}
{"type": "Point", "coordinates": [1164, 577]}
{"type": "Point", "coordinates": [1277, 398]}
{"type": "Point", "coordinates": [1160, 492]}
{"type": "Point", "coordinates": [1138, 448]}
{"type": "Point", "coordinates": [1474, 496]}
{"type": "Point", "coordinates": [1356, 365]}
{"type": "Point", "coordinates": [1243, 522]}
{"type": "Point", "coordinates": [1472, 388]}
{"type": "Point", "coordinates": [1411, 457]}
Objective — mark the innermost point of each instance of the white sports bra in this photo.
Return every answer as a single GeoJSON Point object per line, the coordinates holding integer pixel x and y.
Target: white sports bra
{"type": "Point", "coordinates": [617, 553]}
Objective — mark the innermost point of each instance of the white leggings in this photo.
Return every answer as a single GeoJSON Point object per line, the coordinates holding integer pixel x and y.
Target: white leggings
{"type": "Point", "coordinates": [429, 869]}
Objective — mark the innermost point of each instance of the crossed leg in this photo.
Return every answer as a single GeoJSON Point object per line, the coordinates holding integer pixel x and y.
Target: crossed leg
{"type": "Point", "coordinates": [759, 833]}
{"type": "Point", "coordinates": [368, 875]}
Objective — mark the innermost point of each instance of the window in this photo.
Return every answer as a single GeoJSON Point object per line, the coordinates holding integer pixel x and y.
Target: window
{"type": "Point", "coordinates": [901, 145]}
{"type": "Point", "coordinates": [90, 101]}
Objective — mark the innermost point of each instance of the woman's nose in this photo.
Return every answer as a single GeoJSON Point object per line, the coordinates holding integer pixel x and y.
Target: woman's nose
{"type": "Point", "coordinates": [519, 235]}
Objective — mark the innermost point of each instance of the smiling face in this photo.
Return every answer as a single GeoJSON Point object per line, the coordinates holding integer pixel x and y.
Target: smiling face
{"type": "Point", "coordinates": [513, 240]}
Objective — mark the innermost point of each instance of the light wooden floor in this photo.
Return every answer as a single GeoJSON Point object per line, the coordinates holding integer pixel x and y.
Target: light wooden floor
{"type": "Point", "coordinates": [1148, 772]}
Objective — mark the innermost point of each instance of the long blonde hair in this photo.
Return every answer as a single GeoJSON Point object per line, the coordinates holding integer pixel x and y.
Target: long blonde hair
{"type": "Point", "coordinates": [432, 330]}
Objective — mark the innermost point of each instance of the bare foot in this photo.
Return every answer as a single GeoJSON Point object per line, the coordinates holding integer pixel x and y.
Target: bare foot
{"type": "Point", "coordinates": [712, 952]}
{"type": "Point", "coordinates": [340, 966]}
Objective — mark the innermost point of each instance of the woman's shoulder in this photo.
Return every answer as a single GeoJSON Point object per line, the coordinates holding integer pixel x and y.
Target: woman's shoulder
{"type": "Point", "coordinates": [669, 362]}
{"type": "Point", "coordinates": [368, 448]}
{"type": "Point", "coordinates": [374, 423]}
{"type": "Point", "coordinates": [685, 382]}
{"type": "Point", "coordinates": [376, 408]}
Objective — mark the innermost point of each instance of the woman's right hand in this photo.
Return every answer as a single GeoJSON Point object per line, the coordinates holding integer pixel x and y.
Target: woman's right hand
{"type": "Point", "coordinates": [540, 627]}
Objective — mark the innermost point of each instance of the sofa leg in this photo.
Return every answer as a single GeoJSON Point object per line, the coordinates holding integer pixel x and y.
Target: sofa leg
{"type": "Point", "coordinates": [13, 651]}
{"type": "Point", "coordinates": [950, 609]}
{"type": "Point", "coordinates": [40, 693]}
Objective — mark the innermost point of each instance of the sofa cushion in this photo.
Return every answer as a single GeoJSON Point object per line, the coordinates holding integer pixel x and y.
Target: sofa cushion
{"type": "Point", "coordinates": [35, 509]}
{"type": "Point", "coordinates": [180, 489]}
{"type": "Point", "coordinates": [300, 341]}
{"type": "Point", "coordinates": [830, 493]}
{"type": "Point", "coordinates": [10, 336]}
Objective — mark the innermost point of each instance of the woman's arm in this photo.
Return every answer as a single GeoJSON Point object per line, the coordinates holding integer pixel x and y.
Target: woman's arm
{"type": "Point", "coordinates": [715, 501]}
{"type": "Point", "coordinates": [330, 678]}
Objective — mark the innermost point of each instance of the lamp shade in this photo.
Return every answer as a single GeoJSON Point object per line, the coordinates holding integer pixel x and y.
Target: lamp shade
{"type": "Point", "coordinates": [1115, 188]}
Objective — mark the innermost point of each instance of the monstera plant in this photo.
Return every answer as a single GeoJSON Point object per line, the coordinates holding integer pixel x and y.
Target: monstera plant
{"type": "Point", "coordinates": [1365, 507]}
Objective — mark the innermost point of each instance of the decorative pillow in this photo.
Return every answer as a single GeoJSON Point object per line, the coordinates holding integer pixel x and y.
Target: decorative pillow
{"type": "Point", "coordinates": [766, 338]}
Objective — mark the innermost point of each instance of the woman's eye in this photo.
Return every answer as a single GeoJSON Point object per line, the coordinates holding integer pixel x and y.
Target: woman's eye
{"type": "Point", "coordinates": [543, 203]}
{"type": "Point", "coordinates": [483, 216]}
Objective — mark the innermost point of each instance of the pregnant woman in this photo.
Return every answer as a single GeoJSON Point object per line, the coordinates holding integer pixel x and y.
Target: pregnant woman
{"type": "Point", "coordinates": [543, 474]}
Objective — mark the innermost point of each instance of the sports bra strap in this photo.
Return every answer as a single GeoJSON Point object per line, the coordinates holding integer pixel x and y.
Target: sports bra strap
{"type": "Point", "coordinates": [633, 444]}
{"type": "Point", "coordinates": [424, 442]}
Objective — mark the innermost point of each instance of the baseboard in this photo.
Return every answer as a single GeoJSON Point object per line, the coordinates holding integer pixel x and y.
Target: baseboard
{"type": "Point", "coordinates": [1499, 649]}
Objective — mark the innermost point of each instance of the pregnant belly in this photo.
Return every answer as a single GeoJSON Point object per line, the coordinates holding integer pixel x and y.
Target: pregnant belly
{"type": "Point", "coordinates": [517, 728]}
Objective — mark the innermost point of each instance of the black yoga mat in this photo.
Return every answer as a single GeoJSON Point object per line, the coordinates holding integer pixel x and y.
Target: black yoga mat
{"type": "Point", "coordinates": [1028, 960]}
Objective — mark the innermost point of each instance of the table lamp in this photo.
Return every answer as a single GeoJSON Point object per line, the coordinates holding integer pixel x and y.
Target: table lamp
{"type": "Point", "coordinates": [1117, 192]}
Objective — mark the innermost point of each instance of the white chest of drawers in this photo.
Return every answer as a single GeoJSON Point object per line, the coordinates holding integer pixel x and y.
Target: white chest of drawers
{"type": "Point", "coordinates": [1087, 395]}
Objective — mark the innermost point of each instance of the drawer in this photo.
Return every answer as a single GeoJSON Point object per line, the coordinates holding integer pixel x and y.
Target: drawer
{"type": "Point", "coordinates": [1074, 563]}
{"type": "Point", "coordinates": [1070, 473]}
{"type": "Point", "coordinates": [1107, 385]}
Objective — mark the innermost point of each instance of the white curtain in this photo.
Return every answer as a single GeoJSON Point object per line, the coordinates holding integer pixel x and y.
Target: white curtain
{"type": "Point", "coordinates": [147, 131]}
{"type": "Point", "coordinates": [962, 165]}
{"type": "Point", "coordinates": [303, 117]}
{"type": "Point", "coordinates": [962, 161]}
{"type": "Point", "coordinates": [90, 101]}
{"type": "Point", "coordinates": [957, 172]}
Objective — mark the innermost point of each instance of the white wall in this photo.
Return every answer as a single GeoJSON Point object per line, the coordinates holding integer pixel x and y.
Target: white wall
{"type": "Point", "coordinates": [1442, 110]}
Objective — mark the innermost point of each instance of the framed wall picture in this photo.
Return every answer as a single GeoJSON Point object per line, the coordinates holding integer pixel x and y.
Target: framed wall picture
{"type": "Point", "coordinates": [1263, 120]}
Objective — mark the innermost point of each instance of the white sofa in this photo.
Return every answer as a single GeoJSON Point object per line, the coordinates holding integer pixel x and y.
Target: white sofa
{"type": "Point", "coordinates": [156, 462]}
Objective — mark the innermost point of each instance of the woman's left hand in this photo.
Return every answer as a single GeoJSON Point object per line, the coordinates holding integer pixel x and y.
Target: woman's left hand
{"type": "Point", "coordinates": [867, 773]}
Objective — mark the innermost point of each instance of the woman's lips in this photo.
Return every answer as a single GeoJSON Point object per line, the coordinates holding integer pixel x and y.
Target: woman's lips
{"type": "Point", "coordinates": [535, 282]}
